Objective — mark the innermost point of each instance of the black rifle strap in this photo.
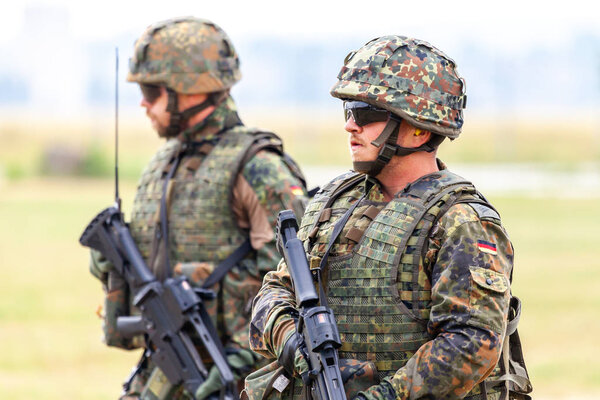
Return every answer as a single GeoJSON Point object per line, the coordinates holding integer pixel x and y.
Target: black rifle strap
{"type": "Point", "coordinates": [164, 223]}
{"type": "Point", "coordinates": [337, 229]}
{"type": "Point", "coordinates": [142, 364]}
{"type": "Point", "coordinates": [231, 121]}
{"type": "Point", "coordinates": [225, 266]}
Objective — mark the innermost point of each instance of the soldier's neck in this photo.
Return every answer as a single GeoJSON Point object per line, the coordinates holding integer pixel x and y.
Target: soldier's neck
{"type": "Point", "coordinates": [403, 170]}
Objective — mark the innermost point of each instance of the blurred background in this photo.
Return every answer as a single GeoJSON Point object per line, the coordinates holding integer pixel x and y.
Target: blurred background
{"type": "Point", "coordinates": [531, 143]}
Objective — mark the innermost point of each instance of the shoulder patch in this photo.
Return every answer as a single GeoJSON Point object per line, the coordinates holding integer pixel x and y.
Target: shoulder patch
{"type": "Point", "coordinates": [484, 211]}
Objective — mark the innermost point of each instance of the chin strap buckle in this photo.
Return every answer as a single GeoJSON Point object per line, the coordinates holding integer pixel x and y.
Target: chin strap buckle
{"type": "Point", "coordinates": [386, 153]}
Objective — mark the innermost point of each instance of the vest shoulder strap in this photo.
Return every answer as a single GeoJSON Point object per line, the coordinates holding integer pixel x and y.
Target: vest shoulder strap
{"type": "Point", "coordinates": [332, 191]}
{"type": "Point", "coordinates": [265, 140]}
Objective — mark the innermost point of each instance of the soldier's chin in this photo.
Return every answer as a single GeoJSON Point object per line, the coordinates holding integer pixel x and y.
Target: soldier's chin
{"type": "Point", "coordinates": [162, 131]}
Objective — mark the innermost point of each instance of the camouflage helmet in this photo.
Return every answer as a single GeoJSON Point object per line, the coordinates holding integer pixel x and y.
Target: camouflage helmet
{"type": "Point", "coordinates": [409, 77]}
{"type": "Point", "coordinates": [189, 55]}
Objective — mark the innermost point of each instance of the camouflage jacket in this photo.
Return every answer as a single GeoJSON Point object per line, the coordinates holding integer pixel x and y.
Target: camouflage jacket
{"type": "Point", "coordinates": [275, 187]}
{"type": "Point", "coordinates": [464, 316]}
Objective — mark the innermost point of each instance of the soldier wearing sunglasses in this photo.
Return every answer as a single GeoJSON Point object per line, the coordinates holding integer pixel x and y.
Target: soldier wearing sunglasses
{"type": "Point", "coordinates": [207, 202]}
{"type": "Point", "coordinates": [415, 263]}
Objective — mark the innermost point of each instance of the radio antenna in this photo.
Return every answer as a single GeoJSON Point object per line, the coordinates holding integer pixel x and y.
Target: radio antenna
{"type": "Point", "coordinates": [117, 197]}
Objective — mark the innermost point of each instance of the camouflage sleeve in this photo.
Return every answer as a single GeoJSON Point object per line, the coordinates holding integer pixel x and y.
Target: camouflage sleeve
{"type": "Point", "coordinates": [277, 189]}
{"type": "Point", "coordinates": [470, 298]}
{"type": "Point", "coordinates": [273, 188]}
{"type": "Point", "coordinates": [272, 312]}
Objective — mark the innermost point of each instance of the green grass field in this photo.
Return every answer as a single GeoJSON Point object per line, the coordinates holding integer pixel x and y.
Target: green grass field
{"type": "Point", "coordinates": [50, 335]}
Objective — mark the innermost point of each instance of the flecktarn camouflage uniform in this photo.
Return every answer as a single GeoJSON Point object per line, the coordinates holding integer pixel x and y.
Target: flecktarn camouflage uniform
{"type": "Point", "coordinates": [419, 285]}
{"type": "Point", "coordinates": [202, 229]}
{"type": "Point", "coordinates": [415, 318]}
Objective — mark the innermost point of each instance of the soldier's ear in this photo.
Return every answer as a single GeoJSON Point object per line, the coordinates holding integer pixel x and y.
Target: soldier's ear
{"type": "Point", "coordinates": [420, 137]}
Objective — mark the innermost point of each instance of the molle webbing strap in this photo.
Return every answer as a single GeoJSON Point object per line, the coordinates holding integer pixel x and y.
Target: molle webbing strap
{"type": "Point", "coordinates": [336, 192]}
{"type": "Point", "coordinates": [259, 141]}
{"type": "Point", "coordinates": [192, 150]}
{"type": "Point", "coordinates": [337, 229]}
{"type": "Point", "coordinates": [272, 142]}
{"type": "Point", "coordinates": [427, 213]}
{"type": "Point", "coordinates": [435, 209]}
{"type": "Point", "coordinates": [479, 199]}
{"type": "Point", "coordinates": [342, 188]}
{"type": "Point", "coordinates": [264, 140]}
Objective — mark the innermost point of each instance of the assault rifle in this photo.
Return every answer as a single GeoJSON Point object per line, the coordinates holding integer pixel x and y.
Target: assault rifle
{"type": "Point", "coordinates": [316, 323]}
{"type": "Point", "coordinates": [173, 317]}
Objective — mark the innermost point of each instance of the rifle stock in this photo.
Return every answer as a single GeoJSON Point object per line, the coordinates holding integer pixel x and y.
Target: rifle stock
{"type": "Point", "coordinates": [173, 317]}
{"type": "Point", "coordinates": [316, 323]}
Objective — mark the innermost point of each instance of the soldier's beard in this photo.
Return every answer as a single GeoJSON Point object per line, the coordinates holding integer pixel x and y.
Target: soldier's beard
{"type": "Point", "coordinates": [161, 129]}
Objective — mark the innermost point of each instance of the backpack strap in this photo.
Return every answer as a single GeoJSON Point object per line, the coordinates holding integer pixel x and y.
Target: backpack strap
{"type": "Point", "coordinates": [515, 380]}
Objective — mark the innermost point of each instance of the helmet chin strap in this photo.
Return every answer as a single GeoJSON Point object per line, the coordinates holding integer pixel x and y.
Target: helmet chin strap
{"type": "Point", "coordinates": [178, 118]}
{"type": "Point", "coordinates": [388, 148]}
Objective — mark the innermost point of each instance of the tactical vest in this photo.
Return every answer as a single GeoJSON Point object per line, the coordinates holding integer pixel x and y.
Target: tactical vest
{"type": "Point", "coordinates": [201, 224]}
{"type": "Point", "coordinates": [377, 284]}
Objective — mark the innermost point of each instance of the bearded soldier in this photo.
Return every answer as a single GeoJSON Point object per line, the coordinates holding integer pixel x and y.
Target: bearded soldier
{"type": "Point", "coordinates": [414, 261]}
{"type": "Point", "coordinates": [207, 202]}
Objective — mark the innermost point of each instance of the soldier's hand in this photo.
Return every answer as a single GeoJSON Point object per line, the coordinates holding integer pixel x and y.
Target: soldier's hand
{"type": "Point", "coordinates": [100, 266]}
{"type": "Point", "coordinates": [300, 364]}
{"type": "Point", "coordinates": [383, 391]}
{"type": "Point", "coordinates": [241, 361]}
{"type": "Point", "coordinates": [196, 272]}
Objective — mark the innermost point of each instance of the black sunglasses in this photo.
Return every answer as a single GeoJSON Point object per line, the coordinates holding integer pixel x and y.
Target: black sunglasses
{"type": "Point", "coordinates": [363, 113]}
{"type": "Point", "coordinates": [150, 92]}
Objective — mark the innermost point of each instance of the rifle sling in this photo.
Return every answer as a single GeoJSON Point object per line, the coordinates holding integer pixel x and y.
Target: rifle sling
{"type": "Point", "coordinates": [232, 120]}
{"type": "Point", "coordinates": [225, 266]}
{"type": "Point", "coordinates": [337, 229]}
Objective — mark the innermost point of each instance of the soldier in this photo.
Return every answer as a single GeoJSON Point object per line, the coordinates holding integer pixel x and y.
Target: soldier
{"type": "Point", "coordinates": [415, 263]}
{"type": "Point", "coordinates": [209, 198]}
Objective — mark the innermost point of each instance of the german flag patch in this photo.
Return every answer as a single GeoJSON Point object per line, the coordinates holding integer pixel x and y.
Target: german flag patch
{"type": "Point", "coordinates": [487, 247]}
{"type": "Point", "coordinates": [297, 190]}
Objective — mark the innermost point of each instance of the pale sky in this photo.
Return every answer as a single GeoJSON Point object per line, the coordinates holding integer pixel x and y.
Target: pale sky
{"type": "Point", "coordinates": [506, 24]}
{"type": "Point", "coordinates": [509, 30]}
